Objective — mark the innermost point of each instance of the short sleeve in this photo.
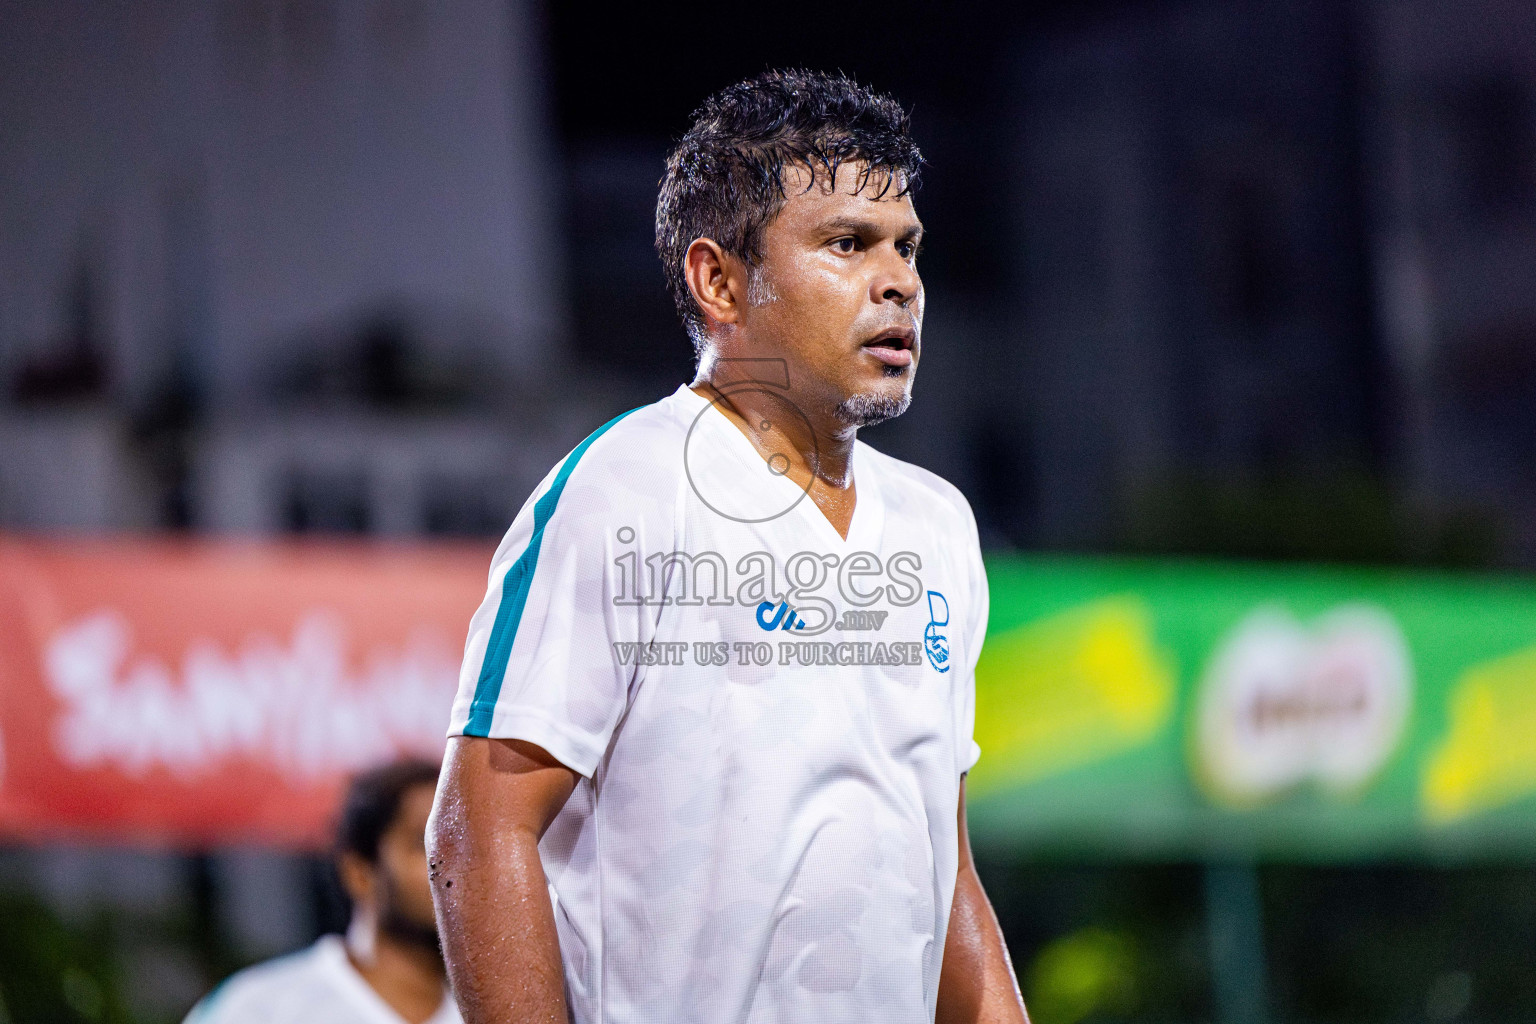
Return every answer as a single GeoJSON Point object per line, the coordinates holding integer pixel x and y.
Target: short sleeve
{"type": "Point", "coordinates": [967, 751]}
{"type": "Point", "coordinates": [552, 649]}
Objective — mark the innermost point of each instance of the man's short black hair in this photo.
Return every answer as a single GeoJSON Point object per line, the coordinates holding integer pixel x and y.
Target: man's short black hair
{"type": "Point", "coordinates": [373, 803]}
{"type": "Point", "coordinates": [725, 178]}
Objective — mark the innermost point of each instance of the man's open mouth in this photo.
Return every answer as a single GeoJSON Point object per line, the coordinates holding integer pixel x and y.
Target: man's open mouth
{"type": "Point", "coordinates": [893, 347]}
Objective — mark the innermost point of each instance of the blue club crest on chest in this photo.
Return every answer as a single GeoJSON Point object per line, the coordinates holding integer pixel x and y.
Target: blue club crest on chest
{"type": "Point", "coordinates": [936, 634]}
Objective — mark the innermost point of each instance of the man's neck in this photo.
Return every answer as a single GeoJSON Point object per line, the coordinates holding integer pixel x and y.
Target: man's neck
{"type": "Point", "coordinates": [409, 978]}
{"type": "Point", "coordinates": [818, 450]}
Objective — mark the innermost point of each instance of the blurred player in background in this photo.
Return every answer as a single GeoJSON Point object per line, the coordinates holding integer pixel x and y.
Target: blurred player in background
{"type": "Point", "coordinates": [388, 969]}
{"type": "Point", "coordinates": [716, 710]}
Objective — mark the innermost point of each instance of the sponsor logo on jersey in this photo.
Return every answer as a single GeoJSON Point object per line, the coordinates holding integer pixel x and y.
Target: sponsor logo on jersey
{"type": "Point", "coordinates": [771, 617]}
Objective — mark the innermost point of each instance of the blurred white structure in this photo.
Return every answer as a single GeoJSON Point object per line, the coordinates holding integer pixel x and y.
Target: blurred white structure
{"type": "Point", "coordinates": [364, 472]}
{"type": "Point", "coordinates": [67, 469]}
{"type": "Point", "coordinates": [215, 197]}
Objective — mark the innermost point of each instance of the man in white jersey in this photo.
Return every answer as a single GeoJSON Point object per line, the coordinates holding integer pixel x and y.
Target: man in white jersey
{"type": "Point", "coordinates": [716, 709]}
{"type": "Point", "coordinates": [388, 968]}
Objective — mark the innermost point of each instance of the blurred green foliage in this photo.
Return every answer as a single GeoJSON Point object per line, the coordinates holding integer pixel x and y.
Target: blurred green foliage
{"type": "Point", "coordinates": [112, 959]}
{"type": "Point", "coordinates": [52, 972]}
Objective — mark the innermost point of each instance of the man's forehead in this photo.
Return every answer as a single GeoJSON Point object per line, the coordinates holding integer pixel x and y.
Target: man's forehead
{"type": "Point", "coordinates": [853, 178]}
{"type": "Point", "coordinates": [856, 186]}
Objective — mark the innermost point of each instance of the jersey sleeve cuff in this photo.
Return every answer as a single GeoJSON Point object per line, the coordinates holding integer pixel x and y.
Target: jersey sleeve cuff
{"type": "Point", "coordinates": [571, 748]}
{"type": "Point", "coordinates": [971, 756]}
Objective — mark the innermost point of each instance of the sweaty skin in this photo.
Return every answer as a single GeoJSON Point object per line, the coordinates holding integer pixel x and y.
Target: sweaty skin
{"type": "Point", "coordinates": [836, 306]}
{"type": "Point", "coordinates": [495, 798]}
{"type": "Point", "coordinates": [976, 981]}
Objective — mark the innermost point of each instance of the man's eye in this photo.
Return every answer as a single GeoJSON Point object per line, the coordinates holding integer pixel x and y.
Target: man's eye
{"type": "Point", "coordinates": [845, 244]}
{"type": "Point", "coordinates": [907, 250]}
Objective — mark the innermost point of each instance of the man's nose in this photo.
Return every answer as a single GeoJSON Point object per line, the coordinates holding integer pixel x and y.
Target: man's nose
{"type": "Point", "coordinates": [898, 282]}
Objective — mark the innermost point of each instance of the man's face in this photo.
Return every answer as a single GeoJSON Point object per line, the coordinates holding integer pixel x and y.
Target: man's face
{"type": "Point", "coordinates": [404, 892]}
{"type": "Point", "coordinates": [838, 295]}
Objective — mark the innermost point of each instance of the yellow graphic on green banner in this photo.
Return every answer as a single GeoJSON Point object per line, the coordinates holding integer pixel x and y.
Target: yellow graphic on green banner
{"type": "Point", "coordinates": [1069, 690]}
{"type": "Point", "coordinates": [1488, 757]}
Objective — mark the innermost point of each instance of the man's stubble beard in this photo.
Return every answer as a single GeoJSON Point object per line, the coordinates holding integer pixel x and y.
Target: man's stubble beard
{"type": "Point", "coordinates": [865, 409]}
{"type": "Point", "coordinates": [402, 927]}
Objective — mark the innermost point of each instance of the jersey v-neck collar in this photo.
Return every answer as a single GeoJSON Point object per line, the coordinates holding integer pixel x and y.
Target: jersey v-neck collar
{"type": "Point", "coordinates": [868, 517]}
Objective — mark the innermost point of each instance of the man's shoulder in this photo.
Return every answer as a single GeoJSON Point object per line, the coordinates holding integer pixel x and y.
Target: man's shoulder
{"type": "Point", "coordinates": [663, 423]}
{"type": "Point", "coordinates": [909, 488]}
{"type": "Point", "coordinates": [258, 992]}
{"type": "Point", "coordinates": [629, 465]}
{"type": "Point", "coordinates": [639, 450]}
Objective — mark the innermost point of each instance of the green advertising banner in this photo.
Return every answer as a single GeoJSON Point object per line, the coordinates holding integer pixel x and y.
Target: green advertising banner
{"type": "Point", "coordinates": [1151, 709]}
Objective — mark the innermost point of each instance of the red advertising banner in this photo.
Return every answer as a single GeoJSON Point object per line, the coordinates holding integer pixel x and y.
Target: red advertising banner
{"type": "Point", "coordinates": [197, 693]}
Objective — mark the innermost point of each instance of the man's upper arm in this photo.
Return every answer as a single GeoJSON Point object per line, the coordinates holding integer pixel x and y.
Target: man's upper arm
{"type": "Point", "coordinates": [497, 786]}
{"type": "Point", "coordinates": [495, 918]}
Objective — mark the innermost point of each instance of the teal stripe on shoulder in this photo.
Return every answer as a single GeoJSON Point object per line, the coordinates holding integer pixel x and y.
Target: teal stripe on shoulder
{"type": "Point", "coordinates": [514, 594]}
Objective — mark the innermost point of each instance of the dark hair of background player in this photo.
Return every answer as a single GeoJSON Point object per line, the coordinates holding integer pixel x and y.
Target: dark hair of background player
{"type": "Point", "coordinates": [724, 178]}
{"type": "Point", "coordinates": [373, 802]}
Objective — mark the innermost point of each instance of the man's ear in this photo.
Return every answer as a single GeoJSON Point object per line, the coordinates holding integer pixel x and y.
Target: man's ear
{"type": "Point", "coordinates": [715, 279]}
{"type": "Point", "coordinates": [357, 877]}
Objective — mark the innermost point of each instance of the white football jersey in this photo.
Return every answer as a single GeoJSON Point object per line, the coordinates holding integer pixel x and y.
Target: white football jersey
{"type": "Point", "coordinates": [770, 721]}
{"type": "Point", "coordinates": [312, 985]}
